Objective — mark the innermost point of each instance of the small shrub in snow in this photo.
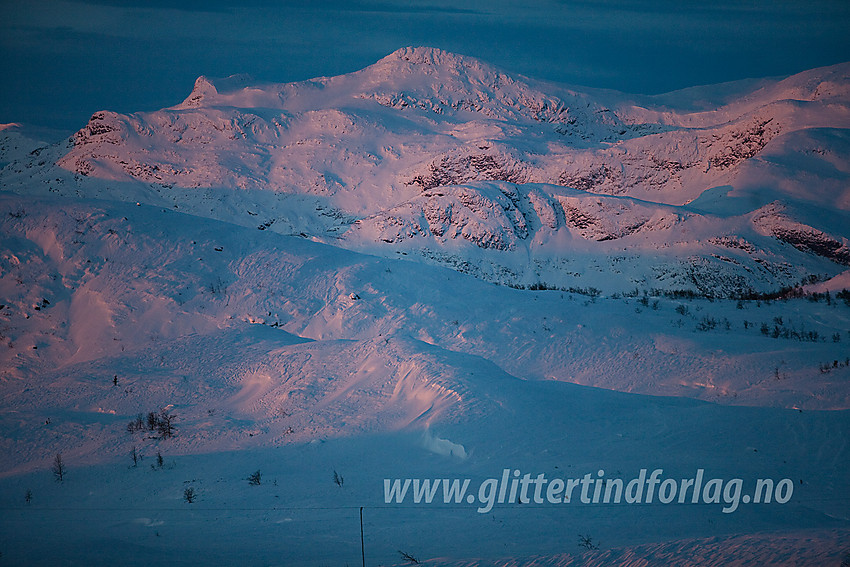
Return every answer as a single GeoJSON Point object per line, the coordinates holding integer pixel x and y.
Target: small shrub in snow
{"type": "Point", "coordinates": [707, 323]}
{"type": "Point", "coordinates": [59, 468]}
{"type": "Point", "coordinates": [338, 480]}
{"type": "Point", "coordinates": [137, 424]}
{"type": "Point", "coordinates": [218, 286]}
{"type": "Point", "coordinates": [161, 423]}
{"type": "Point", "coordinates": [586, 542]}
{"type": "Point", "coordinates": [165, 426]}
{"type": "Point", "coordinates": [408, 557]}
{"type": "Point", "coordinates": [189, 495]}
{"type": "Point", "coordinates": [255, 478]}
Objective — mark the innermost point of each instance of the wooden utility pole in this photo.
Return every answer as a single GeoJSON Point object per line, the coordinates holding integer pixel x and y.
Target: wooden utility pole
{"type": "Point", "coordinates": [362, 546]}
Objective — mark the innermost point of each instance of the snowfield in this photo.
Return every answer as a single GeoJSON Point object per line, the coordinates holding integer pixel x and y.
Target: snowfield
{"type": "Point", "coordinates": [427, 269]}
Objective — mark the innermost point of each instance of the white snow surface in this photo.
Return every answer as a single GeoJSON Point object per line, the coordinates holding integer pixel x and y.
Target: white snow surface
{"type": "Point", "coordinates": [428, 268]}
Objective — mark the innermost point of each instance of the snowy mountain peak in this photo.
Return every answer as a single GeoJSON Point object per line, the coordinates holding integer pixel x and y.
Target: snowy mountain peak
{"type": "Point", "coordinates": [821, 84]}
{"type": "Point", "coordinates": [203, 88]}
{"type": "Point", "coordinates": [429, 56]}
{"type": "Point", "coordinates": [239, 91]}
{"type": "Point", "coordinates": [433, 61]}
{"type": "Point", "coordinates": [447, 83]}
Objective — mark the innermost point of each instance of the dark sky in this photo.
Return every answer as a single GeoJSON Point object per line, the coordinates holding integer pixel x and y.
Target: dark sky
{"type": "Point", "coordinates": [62, 60]}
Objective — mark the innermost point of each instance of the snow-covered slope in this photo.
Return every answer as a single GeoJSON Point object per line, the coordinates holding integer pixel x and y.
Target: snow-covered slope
{"type": "Point", "coordinates": [300, 359]}
{"type": "Point", "coordinates": [202, 315]}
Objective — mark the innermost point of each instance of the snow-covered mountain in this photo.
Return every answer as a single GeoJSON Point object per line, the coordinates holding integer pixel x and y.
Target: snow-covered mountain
{"type": "Point", "coordinates": [19, 142]}
{"type": "Point", "coordinates": [360, 155]}
{"type": "Point", "coordinates": [305, 277]}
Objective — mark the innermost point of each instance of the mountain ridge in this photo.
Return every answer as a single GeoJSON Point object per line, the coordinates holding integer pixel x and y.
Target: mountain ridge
{"type": "Point", "coordinates": [324, 156]}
